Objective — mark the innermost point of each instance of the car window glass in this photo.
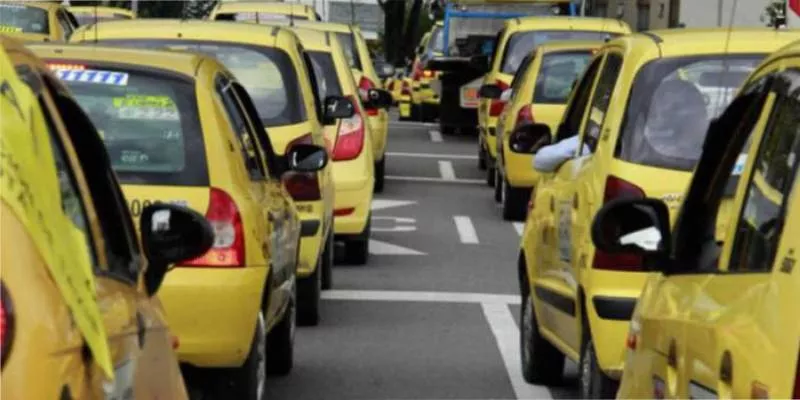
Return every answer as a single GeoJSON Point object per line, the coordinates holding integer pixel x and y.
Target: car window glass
{"type": "Point", "coordinates": [521, 43]}
{"type": "Point", "coordinates": [601, 99]}
{"type": "Point", "coordinates": [557, 73]}
{"type": "Point", "coordinates": [577, 107]}
{"type": "Point", "coordinates": [273, 161]}
{"type": "Point", "coordinates": [519, 76]}
{"type": "Point", "coordinates": [771, 183]}
{"type": "Point", "coordinates": [325, 71]}
{"type": "Point", "coordinates": [16, 17]}
{"type": "Point", "coordinates": [243, 131]}
{"type": "Point", "coordinates": [66, 26]}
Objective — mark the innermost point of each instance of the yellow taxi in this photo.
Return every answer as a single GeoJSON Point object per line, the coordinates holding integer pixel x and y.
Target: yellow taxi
{"type": "Point", "coordinates": [36, 21]}
{"type": "Point", "coordinates": [352, 154]}
{"type": "Point", "coordinates": [273, 68]}
{"type": "Point", "coordinates": [424, 93]}
{"type": "Point", "coordinates": [86, 15]}
{"type": "Point", "coordinates": [719, 319]}
{"type": "Point", "coordinates": [638, 116]}
{"type": "Point", "coordinates": [367, 80]}
{"type": "Point", "coordinates": [75, 276]}
{"type": "Point", "coordinates": [262, 12]}
{"type": "Point", "coordinates": [180, 128]}
{"type": "Point", "coordinates": [515, 41]}
{"type": "Point", "coordinates": [538, 93]}
{"type": "Point", "coordinates": [402, 92]}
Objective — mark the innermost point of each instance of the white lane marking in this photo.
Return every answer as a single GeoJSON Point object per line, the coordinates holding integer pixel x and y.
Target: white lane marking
{"type": "Point", "coordinates": [412, 123]}
{"type": "Point", "coordinates": [382, 204]}
{"type": "Point", "coordinates": [446, 170]}
{"type": "Point", "coordinates": [380, 248]}
{"type": "Point", "coordinates": [399, 224]}
{"type": "Point", "coordinates": [421, 296]}
{"type": "Point", "coordinates": [436, 136]}
{"type": "Point", "coordinates": [506, 334]}
{"type": "Point", "coordinates": [426, 179]}
{"type": "Point", "coordinates": [519, 227]}
{"type": "Point", "coordinates": [431, 155]}
{"type": "Point", "coordinates": [466, 231]}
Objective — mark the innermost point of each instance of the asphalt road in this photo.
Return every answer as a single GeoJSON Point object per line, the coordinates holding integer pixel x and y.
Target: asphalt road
{"type": "Point", "coordinates": [433, 315]}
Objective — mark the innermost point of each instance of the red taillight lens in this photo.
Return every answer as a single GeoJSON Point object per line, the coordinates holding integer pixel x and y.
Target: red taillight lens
{"type": "Point", "coordinates": [350, 138]}
{"type": "Point", "coordinates": [406, 89]}
{"type": "Point", "coordinates": [363, 86]}
{"type": "Point", "coordinates": [343, 211]}
{"type": "Point", "coordinates": [6, 324]}
{"type": "Point", "coordinates": [417, 71]}
{"type": "Point", "coordinates": [302, 186]}
{"type": "Point", "coordinates": [427, 73]}
{"type": "Point", "coordinates": [226, 221]}
{"type": "Point", "coordinates": [618, 188]}
{"type": "Point", "coordinates": [496, 108]}
{"type": "Point", "coordinates": [525, 116]}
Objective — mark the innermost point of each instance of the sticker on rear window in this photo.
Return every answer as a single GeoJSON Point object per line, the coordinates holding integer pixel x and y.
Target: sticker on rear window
{"type": "Point", "coordinates": [93, 76]}
{"type": "Point", "coordinates": [9, 29]}
{"type": "Point", "coordinates": [738, 168]}
{"type": "Point", "coordinates": [153, 108]}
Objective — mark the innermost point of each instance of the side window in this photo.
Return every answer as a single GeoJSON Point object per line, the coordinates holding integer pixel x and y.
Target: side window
{"type": "Point", "coordinates": [252, 158]}
{"type": "Point", "coordinates": [519, 76]}
{"type": "Point", "coordinates": [602, 99]}
{"type": "Point", "coordinates": [314, 83]}
{"type": "Point", "coordinates": [580, 99]}
{"type": "Point", "coordinates": [66, 26]}
{"type": "Point", "coordinates": [770, 185]}
{"type": "Point", "coordinates": [272, 160]}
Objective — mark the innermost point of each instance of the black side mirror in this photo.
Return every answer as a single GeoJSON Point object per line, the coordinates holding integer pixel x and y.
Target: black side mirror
{"type": "Point", "coordinates": [307, 158]}
{"type": "Point", "coordinates": [337, 107]}
{"type": "Point", "coordinates": [480, 62]}
{"type": "Point", "coordinates": [490, 92]}
{"type": "Point", "coordinates": [171, 234]}
{"type": "Point", "coordinates": [633, 226]}
{"type": "Point", "coordinates": [529, 138]}
{"type": "Point", "coordinates": [378, 98]}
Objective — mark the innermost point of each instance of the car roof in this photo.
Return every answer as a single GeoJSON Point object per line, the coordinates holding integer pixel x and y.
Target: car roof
{"type": "Point", "coordinates": [313, 39]}
{"type": "Point", "coordinates": [184, 63]}
{"type": "Point", "coordinates": [44, 5]}
{"type": "Point", "coordinates": [556, 46]}
{"type": "Point", "coordinates": [568, 23]}
{"type": "Point", "coordinates": [156, 28]}
{"type": "Point", "coordinates": [687, 42]}
{"type": "Point", "coordinates": [790, 50]}
{"type": "Point", "coordinates": [261, 6]}
{"type": "Point", "coordinates": [101, 10]}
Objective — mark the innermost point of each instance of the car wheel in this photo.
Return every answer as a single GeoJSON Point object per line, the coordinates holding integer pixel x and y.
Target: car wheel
{"type": "Point", "coordinates": [498, 187]}
{"type": "Point", "coordinates": [594, 384]}
{"type": "Point", "coordinates": [249, 380]}
{"type": "Point", "coordinates": [327, 263]}
{"type": "Point", "coordinates": [515, 202]}
{"type": "Point", "coordinates": [490, 172]}
{"type": "Point", "coordinates": [280, 341]}
{"type": "Point", "coordinates": [308, 296]}
{"type": "Point", "coordinates": [380, 173]}
{"type": "Point", "coordinates": [415, 113]}
{"type": "Point", "coordinates": [356, 249]}
{"type": "Point", "coordinates": [542, 363]}
{"type": "Point", "coordinates": [447, 130]}
{"type": "Point", "coordinates": [481, 157]}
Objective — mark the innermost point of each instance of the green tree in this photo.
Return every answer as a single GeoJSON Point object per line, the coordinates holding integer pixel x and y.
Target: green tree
{"type": "Point", "coordinates": [774, 13]}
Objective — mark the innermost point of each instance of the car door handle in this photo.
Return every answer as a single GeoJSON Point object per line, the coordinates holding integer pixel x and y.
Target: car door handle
{"type": "Point", "coordinates": [726, 368]}
{"type": "Point", "coordinates": [552, 204]}
{"type": "Point", "coordinates": [575, 201]}
{"type": "Point", "coordinates": [672, 355]}
{"type": "Point", "coordinates": [141, 329]}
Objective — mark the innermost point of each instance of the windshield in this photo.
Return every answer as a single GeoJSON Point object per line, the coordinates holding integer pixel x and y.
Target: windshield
{"type": "Point", "coordinates": [672, 103]}
{"type": "Point", "coordinates": [266, 73]}
{"type": "Point", "coordinates": [21, 18]}
{"type": "Point", "coordinates": [325, 71]}
{"type": "Point", "coordinates": [557, 74]}
{"type": "Point", "coordinates": [348, 42]}
{"type": "Point", "coordinates": [522, 43]}
{"type": "Point", "coordinates": [89, 18]}
{"type": "Point", "coordinates": [258, 17]}
{"type": "Point", "coordinates": [149, 123]}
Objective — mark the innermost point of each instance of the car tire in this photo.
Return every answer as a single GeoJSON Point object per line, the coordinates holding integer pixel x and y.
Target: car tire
{"type": "Point", "coordinates": [594, 384]}
{"type": "Point", "coordinates": [490, 175]}
{"type": "Point", "coordinates": [481, 157]}
{"type": "Point", "coordinates": [356, 249]}
{"type": "Point", "coordinates": [309, 290]}
{"type": "Point", "coordinates": [327, 263]}
{"type": "Point", "coordinates": [498, 187]}
{"type": "Point", "coordinates": [542, 363]}
{"type": "Point", "coordinates": [380, 174]}
{"type": "Point", "coordinates": [415, 113]}
{"type": "Point", "coordinates": [249, 380]}
{"type": "Point", "coordinates": [515, 202]}
{"type": "Point", "coordinates": [447, 130]}
{"type": "Point", "coordinates": [280, 341]}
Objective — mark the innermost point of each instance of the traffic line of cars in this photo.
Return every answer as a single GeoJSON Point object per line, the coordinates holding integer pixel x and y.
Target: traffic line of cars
{"type": "Point", "coordinates": [655, 174]}
{"type": "Point", "coordinates": [240, 150]}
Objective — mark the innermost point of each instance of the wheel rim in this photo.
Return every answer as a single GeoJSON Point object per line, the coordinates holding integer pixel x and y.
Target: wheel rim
{"type": "Point", "coordinates": [261, 373]}
{"type": "Point", "coordinates": [527, 331]}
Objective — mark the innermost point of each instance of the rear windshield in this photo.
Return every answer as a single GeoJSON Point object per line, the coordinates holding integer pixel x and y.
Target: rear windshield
{"type": "Point", "coordinates": [348, 42]}
{"type": "Point", "coordinates": [266, 73]}
{"type": "Point", "coordinates": [22, 18]}
{"type": "Point", "coordinates": [325, 71]}
{"type": "Point", "coordinates": [148, 120]}
{"type": "Point", "coordinates": [258, 17]}
{"type": "Point", "coordinates": [89, 18]}
{"type": "Point", "coordinates": [522, 43]}
{"type": "Point", "coordinates": [673, 101]}
{"type": "Point", "coordinates": [557, 74]}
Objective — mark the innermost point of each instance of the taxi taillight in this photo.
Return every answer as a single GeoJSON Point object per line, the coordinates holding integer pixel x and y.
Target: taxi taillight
{"type": "Point", "coordinates": [618, 188]}
{"type": "Point", "coordinates": [525, 116]}
{"type": "Point", "coordinates": [350, 138]}
{"type": "Point", "coordinates": [6, 323]}
{"type": "Point", "coordinates": [302, 186]}
{"type": "Point", "coordinates": [364, 85]}
{"type": "Point", "coordinates": [497, 105]}
{"type": "Point", "coordinates": [226, 221]}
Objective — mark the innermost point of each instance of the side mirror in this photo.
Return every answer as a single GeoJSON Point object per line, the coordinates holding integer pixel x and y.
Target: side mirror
{"type": "Point", "coordinates": [480, 62]}
{"type": "Point", "coordinates": [307, 158]}
{"type": "Point", "coordinates": [378, 98]}
{"type": "Point", "coordinates": [337, 107]}
{"type": "Point", "coordinates": [633, 226]}
{"type": "Point", "coordinates": [490, 92]}
{"type": "Point", "coordinates": [171, 234]}
{"type": "Point", "coordinates": [529, 138]}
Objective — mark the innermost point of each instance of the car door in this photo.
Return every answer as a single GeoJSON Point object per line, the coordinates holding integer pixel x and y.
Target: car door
{"type": "Point", "coordinates": [738, 321]}
{"type": "Point", "coordinates": [556, 287]}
